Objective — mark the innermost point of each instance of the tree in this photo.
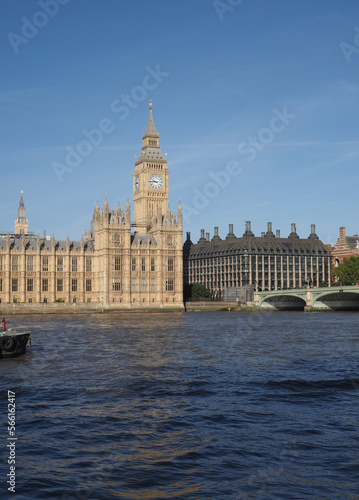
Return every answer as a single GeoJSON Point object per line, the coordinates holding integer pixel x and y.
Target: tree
{"type": "Point", "coordinates": [347, 273]}
{"type": "Point", "coordinates": [197, 290]}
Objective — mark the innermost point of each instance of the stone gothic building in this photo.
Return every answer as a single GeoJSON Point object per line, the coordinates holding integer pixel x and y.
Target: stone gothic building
{"type": "Point", "coordinates": [117, 263]}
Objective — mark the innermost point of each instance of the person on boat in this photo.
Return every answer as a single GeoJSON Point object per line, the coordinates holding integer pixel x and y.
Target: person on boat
{"type": "Point", "coordinates": [3, 324]}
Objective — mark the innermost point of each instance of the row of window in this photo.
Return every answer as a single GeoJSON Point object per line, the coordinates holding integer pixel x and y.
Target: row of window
{"type": "Point", "coordinates": [45, 285]}
{"type": "Point", "coordinates": [199, 277]}
{"type": "Point", "coordinates": [116, 285]}
{"type": "Point", "coordinates": [169, 264]}
{"type": "Point", "coordinates": [45, 264]}
{"type": "Point", "coordinates": [260, 272]}
{"type": "Point", "coordinates": [261, 286]}
{"type": "Point", "coordinates": [293, 253]}
{"type": "Point", "coordinates": [140, 285]}
{"type": "Point", "coordinates": [116, 264]}
{"type": "Point", "coordinates": [231, 268]}
{"type": "Point", "coordinates": [245, 261]}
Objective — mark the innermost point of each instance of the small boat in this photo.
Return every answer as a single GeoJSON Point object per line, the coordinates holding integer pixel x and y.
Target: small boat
{"type": "Point", "coordinates": [13, 343]}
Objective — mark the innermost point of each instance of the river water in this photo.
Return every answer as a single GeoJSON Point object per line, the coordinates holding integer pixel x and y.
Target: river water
{"type": "Point", "coordinates": [185, 406]}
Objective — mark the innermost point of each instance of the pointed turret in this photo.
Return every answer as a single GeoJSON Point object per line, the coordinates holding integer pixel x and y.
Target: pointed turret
{"type": "Point", "coordinates": [151, 129]}
{"type": "Point", "coordinates": [106, 205]}
{"type": "Point", "coordinates": [150, 143]}
{"type": "Point", "coordinates": [95, 218]}
{"type": "Point", "coordinates": [179, 213]}
{"type": "Point", "coordinates": [128, 210]}
{"type": "Point", "coordinates": [21, 223]}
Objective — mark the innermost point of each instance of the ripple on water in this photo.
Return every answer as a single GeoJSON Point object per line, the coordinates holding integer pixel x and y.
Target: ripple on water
{"type": "Point", "coordinates": [195, 406]}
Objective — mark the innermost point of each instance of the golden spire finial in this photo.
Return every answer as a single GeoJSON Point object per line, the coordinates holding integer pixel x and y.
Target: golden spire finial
{"type": "Point", "coordinates": [150, 103]}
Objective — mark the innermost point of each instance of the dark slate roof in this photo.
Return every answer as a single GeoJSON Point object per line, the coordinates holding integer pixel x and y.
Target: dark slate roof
{"type": "Point", "coordinates": [143, 239]}
{"type": "Point", "coordinates": [352, 241]}
{"type": "Point", "coordinates": [151, 129]}
{"type": "Point", "coordinates": [151, 154]}
{"type": "Point", "coordinates": [45, 244]}
{"type": "Point", "coordinates": [254, 245]}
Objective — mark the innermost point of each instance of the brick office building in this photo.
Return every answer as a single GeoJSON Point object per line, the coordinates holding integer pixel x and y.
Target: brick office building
{"type": "Point", "coordinates": [346, 246]}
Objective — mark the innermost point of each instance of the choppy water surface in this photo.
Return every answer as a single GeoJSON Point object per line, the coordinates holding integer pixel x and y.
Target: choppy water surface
{"type": "Point", "coordinates": [196, 405]}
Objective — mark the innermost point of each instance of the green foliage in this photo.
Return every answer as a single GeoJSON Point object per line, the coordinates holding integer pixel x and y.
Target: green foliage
{"type": "Point", "coordinates": [323, 284]}
{"type": "Point", "coordinates": [197, 290]}
{"type": "Point", "coordinates": [347, 273]}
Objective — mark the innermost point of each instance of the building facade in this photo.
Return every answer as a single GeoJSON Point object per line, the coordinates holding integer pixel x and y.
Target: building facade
{"type": "Point", "coordinates": [117, 263]}
{"type": "Point", "coordinates": [268, 262]}
{"type": "Point", "coordinates": [345, 247]}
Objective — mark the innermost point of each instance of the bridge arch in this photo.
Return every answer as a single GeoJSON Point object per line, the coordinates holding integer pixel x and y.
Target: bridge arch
{"type": "Point", "coordinates": [283, 302]}
{"type": "Point", "coordinates": [337, 300]}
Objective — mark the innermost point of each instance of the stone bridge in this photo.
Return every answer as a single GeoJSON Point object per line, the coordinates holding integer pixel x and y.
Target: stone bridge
{"type": "Point", "coordinates": [343, 298]}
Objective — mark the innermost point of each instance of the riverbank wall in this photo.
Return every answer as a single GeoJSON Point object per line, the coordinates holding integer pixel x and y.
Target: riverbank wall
{"type": "Point", "coordinates": [63, 308]}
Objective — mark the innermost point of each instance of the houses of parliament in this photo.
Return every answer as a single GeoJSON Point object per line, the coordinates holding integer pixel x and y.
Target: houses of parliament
{"type": "Point", "coordinates": [117, 263]}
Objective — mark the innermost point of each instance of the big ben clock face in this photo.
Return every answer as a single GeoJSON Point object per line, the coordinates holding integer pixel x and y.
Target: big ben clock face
{"type": "Point", "coordinates": [156, 181]}
{"type": "Point", "coordinates": [137, 183]}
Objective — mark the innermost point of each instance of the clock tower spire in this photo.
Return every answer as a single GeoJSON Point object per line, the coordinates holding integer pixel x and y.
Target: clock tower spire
{"type": "Point", "coordinates": [21, 222]}
{"type": "Point", "coordinates": [150, 179]}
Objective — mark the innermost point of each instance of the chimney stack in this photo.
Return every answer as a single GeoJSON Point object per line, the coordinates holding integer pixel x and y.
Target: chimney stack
{"type": "Point", "coordinates": [202, 238]}
{"type": "Point", "coordinates": [342, 233]}
{"type": "Point", "coordinates": [293, 233]}
{"type": "Point", "coordinates": [216, 237]}
{"type": "Point", "coordinates": [269, 233]}
{"type": "Point", "coordinates": [312, 235]}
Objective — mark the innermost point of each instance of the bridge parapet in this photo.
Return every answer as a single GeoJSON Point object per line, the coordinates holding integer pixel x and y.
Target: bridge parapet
{"type": "Point", "coordinates": [344, 297]}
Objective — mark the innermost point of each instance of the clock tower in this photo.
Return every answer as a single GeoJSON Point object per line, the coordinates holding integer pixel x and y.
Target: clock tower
{"type": "Point", "coordinates": [21, 222]}
{"type": "Point", "coordinates": [150, 180]}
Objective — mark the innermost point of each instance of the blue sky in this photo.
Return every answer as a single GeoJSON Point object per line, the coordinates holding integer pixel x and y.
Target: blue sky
{"type": "Point", "coordinates": [256, 104]}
